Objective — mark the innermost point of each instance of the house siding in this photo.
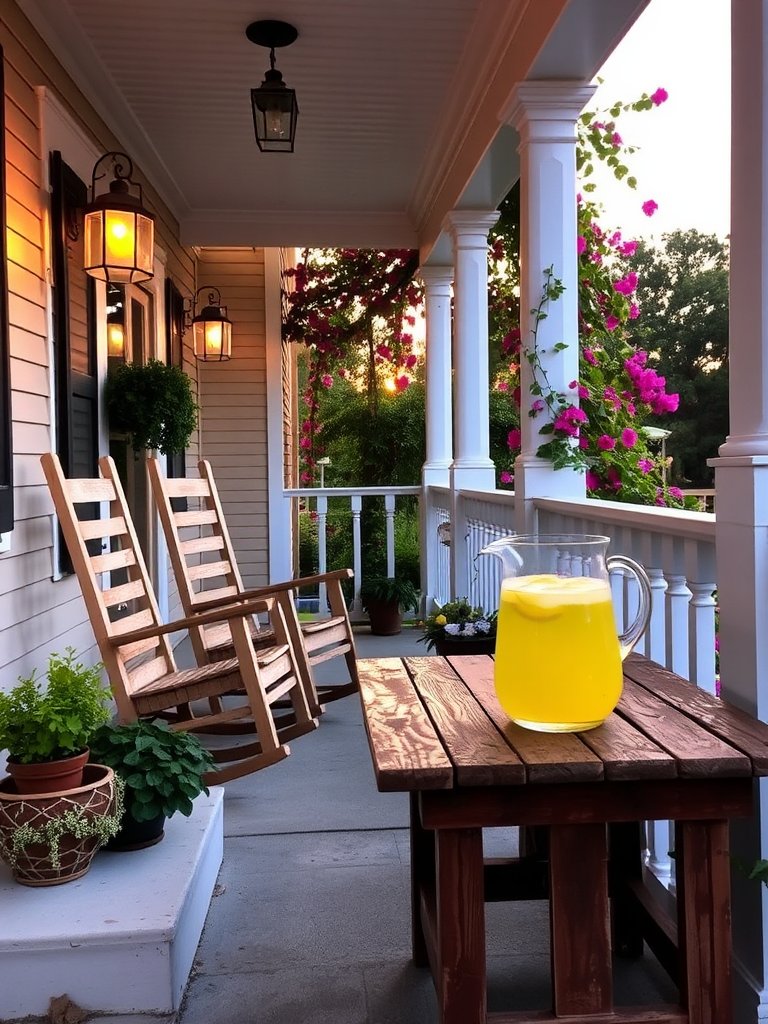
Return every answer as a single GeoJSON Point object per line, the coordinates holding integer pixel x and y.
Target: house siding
{"type": "Point", "coordinates": [37, 614]}
{"type": "Point", "coordinates": [234, 401]}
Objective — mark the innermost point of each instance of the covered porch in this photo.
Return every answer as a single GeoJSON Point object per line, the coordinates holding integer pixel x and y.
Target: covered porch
{"type": "Point", "coordinates": [516, 84]}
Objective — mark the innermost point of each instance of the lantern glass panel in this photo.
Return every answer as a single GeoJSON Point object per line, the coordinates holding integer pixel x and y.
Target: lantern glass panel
{"type": "Point", "coordinates": [145, 247]}
{"type": "Point", "coordinates": [93, 231]}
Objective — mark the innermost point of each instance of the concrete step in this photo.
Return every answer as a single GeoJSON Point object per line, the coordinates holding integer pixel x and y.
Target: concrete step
{"type": "Point", "coordinates": [122, 939]}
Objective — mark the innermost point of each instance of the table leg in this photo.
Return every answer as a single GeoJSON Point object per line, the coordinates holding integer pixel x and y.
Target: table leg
{"type": "Point", "coordinates": [626, 867]}
{"type": "Point", "coordinates": [582, 980]}
{"type": "Point", "coordinates": [422, 879]}
{"type": "Point", "coordinates": [460, 904]}
{"type": "Point", "coordinates": [704, 919]}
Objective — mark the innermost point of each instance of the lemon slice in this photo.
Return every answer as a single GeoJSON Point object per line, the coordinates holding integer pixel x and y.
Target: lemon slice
{"type": "Point", "coordinates": [544, 596]}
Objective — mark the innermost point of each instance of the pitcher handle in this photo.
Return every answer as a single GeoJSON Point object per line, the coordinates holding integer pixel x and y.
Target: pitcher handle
{"type": "Point", "coordinates": [629, 638]}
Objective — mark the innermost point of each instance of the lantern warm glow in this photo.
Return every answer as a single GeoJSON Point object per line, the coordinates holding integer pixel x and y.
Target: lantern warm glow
{"type": "Point", "coordinates": [115, 341]}
{"type": "Point", "coordinates": [212, 329]}
{"type": "Point", "coordinates": [119, 233]}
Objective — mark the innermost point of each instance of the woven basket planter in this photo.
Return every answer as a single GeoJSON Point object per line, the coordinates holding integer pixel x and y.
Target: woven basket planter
{"type": "Point", "coordinates": [48, 839]}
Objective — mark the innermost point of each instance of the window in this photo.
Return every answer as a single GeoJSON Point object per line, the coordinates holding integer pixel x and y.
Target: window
{"type": "Point", "coordinates": [6, 437]}
{"type": "Point", "coordinates": [74, 336]}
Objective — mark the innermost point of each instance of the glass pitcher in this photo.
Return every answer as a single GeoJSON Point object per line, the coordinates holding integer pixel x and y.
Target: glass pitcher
{"type": "Point", "coordinates": [558, 656]}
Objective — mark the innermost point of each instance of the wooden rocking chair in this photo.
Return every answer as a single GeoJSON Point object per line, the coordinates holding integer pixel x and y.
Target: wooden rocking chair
{"type": "Point", "coordinates": [136, 652]}
{"type": "Point", "coordinates": [313, 642]}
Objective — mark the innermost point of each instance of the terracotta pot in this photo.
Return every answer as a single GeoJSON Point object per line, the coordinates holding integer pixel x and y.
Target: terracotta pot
{"type": "Point", "coordinates": [48, 776]}
{"type": "Point", "coordinates": [385, 617]}
{"type": "Point", "coordinates": [35, 864]}
{"type": "Point", "coordinates": [469, 645]}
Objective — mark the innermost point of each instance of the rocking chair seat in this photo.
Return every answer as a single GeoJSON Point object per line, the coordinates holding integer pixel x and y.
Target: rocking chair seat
{"type": "Point", "coordinates": [218, 639]}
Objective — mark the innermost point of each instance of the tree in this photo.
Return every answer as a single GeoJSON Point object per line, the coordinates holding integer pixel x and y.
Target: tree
{"type": "Point", "coordinates": [683, 293]}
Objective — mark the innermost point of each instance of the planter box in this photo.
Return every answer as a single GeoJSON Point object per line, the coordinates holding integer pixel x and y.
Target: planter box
{"type": "Point", "coordinates": [469, 645]}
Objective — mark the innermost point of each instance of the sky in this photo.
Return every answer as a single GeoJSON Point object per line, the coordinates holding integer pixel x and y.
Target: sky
{"type": "Point", "coordinates": [684, 158]}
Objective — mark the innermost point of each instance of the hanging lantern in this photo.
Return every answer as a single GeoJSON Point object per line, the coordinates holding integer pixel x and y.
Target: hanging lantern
{"type": "Point", "coordinates": [115, 341]}
{"type": "Point", "coordinates": [211, 328]}
{"type": "Point", "coordinates": [119, 233]}
{"type": "Point", "coordinates": [275, 109]}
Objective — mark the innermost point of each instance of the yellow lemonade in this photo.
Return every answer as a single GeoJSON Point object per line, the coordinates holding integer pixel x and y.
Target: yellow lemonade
{"type": "Point", "coordinates": [558, 661]}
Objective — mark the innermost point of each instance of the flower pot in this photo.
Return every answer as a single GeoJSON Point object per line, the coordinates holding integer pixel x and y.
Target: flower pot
{"type": "Point", "coordinates": [48, 776]}
{"type": "Point", "coordinates": [136, 835]}
{"type": "Point", "coordinates": [469, 645]}
{"type": "Point", "coordinates": [385, 617]}
{"type": "Point", "coordinates": [48, 839]}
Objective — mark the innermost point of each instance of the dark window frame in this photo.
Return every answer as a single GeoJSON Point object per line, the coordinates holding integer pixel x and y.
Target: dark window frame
{"type": "Point", "coordinates": [6, 426]}
{"type": "Point", "coordinates": [176, 462]}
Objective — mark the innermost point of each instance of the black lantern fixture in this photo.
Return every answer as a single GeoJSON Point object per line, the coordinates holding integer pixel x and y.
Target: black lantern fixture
{"type": "Point", "coordinates": [211, 327]}
{"type": "Point", "coordinates": [119, 233]}
{"type": "Point", "coordinates": [274, 105]}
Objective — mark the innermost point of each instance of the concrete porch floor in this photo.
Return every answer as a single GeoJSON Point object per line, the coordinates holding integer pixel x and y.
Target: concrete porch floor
{"type": "Point", "coordinates": [311, 921]}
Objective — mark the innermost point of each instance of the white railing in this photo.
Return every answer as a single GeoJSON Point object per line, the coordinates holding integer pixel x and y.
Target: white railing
{"type": "Point", "coordinates": [313, 502]}
{"type": "Point", "coordinates": [436, 548]}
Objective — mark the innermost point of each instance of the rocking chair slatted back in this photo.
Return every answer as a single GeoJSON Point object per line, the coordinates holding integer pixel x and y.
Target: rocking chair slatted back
{"type": "Point", "coordinates": [102, 600]}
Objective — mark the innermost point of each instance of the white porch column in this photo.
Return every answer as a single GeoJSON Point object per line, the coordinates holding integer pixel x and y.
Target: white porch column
{"type": "Point", "coordinates": [741, 477]}
{"type": "Point", "coordinates": [545, 115]}
{"type": "Point", "coordinates": [439, 406]}
{"type": "Point", "coordinates": [472, 466]}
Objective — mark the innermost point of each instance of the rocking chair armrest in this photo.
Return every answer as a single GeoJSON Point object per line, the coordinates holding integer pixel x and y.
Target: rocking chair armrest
{"type": "Point", "coordinates": [276, 588]}
{"type": "Point", "coordinates": [236, 611]}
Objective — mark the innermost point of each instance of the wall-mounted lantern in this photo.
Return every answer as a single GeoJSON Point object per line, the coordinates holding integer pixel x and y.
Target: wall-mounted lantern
{"type": "Point", "coordinates": [119, 232]}
{"type": "Point", "coordinates": [275, 110]}
{"type": "Point", "coordinates": [211, 327]}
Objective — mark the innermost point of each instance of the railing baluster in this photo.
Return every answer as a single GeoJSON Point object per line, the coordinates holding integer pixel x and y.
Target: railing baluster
{"type": "Point", "coordinates": [322, 560]}
{"type": "Point", "coordinates": [357, 557]}
{"type": "Point", "coordinates": [389, 514]}
{"type": "Point", "coordinates": [702, 608]}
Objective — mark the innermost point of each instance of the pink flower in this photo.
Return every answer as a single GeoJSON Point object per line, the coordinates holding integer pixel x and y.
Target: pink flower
{"type": "Point", "coordinates": [581, 244]}
{"type": "Point", "coordinates": [326, 380]}
{"type": "Point", "coordinates": [573, 385]}
{"type": "Point", "coordinates": [606, 443]}
{"type": "Point", "coordinates": [384, 351]}
{"type": "Point", "coordinates": [305, 443]}
{"type": "Point", "coordinates": [659, 97]}
{"type": "Point", "coordinates": [614, 478]}
{"type": "Point", "coordinates": [629, 437]}
{"type": "Point", "coordinates": [567, 420]}
{"type": "Point", "coordinates": [593, 481]}
{"type": "Point", "coordinates": [628, 248]}
{"type": "Point", "coordinates": [513, 439]}
{"type": "Point", "coordinates": [675, 492]}
{"type": "Point", "coordinates": [650, 206]}
{"type": "Point", "coordinates": [511, 341]}
{"type": "Point", "coordinates": [611, 322]}
{"type": "Point", "coordinates": [583, 442]}
{"type": "Point", "coordinates": [306, 477]}
{"type": "Point", "coordinates": [401, 383]}
{"type": "Point", "coordinates": [634, 311]}
{"type": "Point", "coordinates": [616, 139]}
{"type": "Point", "coordinates": [583, 391]}
{"type": "Point", "coordinates": [343, 373]}
{"type": "Point", "coordinates": [537, 406]}
{"type": "Point", "coordinates": [644, 465]}
{"type": "Point", "coordinates": [506, 477]}
{"type": "Point", "coordinates": [589, 356]}
{"type": "Point", "coordinates": [626, 285]}
{"type": "Point", "coordinates": [502, 386]}
{"type": "Point", "coordinates": [411, 361]}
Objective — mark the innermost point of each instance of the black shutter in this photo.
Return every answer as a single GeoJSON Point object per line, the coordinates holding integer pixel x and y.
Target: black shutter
{"type": "Point", "coordinates": [74, 336]}
{"type": "Point", "coordinates": [6, 435]}
{"type": "Point", "coordinates": [176, 462]}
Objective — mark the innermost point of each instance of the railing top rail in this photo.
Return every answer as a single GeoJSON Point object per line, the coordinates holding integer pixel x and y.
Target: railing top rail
{"type": "Point", "coordinates": [698, 526]}
{"type": "Point", "coordinates": [501, 497]}
{"type": "Point", "coordinates": [348, 492]}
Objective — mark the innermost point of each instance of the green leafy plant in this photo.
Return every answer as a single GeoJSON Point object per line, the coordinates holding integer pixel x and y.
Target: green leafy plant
{"type": "Point", "coordinates": [390, 590]}
{"type": "Point", "coordinates": [458, 620]}
{"type": "Point", "coordinates": [163, 770]}
{"type": "Point", "coordinates": [39, 724]}
{"type": "Point", "coordinates": [153, 404]}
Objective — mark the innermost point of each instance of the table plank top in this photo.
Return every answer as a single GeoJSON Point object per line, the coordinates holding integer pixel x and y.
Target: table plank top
{"type": "Point", "coordinates": [435, 723]}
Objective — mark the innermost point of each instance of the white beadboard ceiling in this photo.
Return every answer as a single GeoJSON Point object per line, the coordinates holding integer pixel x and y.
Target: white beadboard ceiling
{"type": "Point", "coordinates": [398, 103]}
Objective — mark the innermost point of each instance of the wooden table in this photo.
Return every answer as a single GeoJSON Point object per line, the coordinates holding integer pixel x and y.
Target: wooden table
{"type": "Point", "coordinates": [670, 751]}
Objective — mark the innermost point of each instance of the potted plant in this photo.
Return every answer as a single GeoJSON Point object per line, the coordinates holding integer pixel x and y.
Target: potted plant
{"type": "Point", "coordinates": [459, 628]}
{"type": "Point", "coordinates": [47, 731]}
{"type": "Point", "coordinates": [163, 772]}
{"type": "Point", "coordinates": [385, 598]}
{"type": "Point", "coordinates": [51, 838]}
{"type": "Point", "coordinates": [153, 404]}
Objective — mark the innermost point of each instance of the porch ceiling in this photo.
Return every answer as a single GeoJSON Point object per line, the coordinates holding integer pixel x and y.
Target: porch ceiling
{"type": "Point", "coordinates": [398, 100]}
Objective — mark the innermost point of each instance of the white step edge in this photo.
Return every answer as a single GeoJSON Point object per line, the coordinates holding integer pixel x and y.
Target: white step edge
{"type": "Point", "coordinates": [122, 939]}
